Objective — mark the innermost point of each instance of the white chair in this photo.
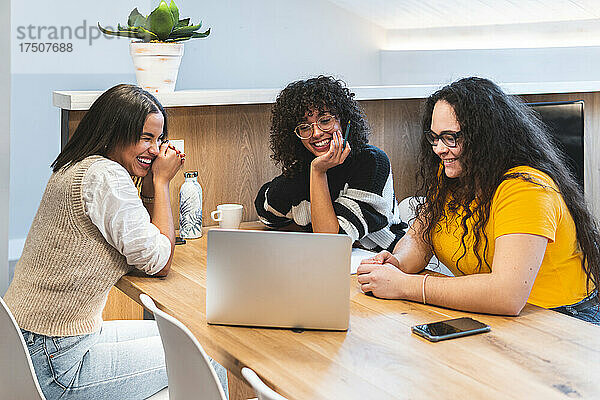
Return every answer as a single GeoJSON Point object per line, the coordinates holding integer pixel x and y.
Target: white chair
{"type": "Point", "coordinates": [17, 376]}
{"type": "Point", "coordinates": [407, 212]}
{"type": "Point", "coordinates": [190, 374]}
{"type": "Point", "coordinates": [263, 391]}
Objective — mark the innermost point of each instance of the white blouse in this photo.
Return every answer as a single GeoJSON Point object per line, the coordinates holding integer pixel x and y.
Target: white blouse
{"type": "Point", "coordinates": [112, 202]}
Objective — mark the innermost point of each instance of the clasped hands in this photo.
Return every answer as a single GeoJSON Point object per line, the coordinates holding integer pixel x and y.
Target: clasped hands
{"type": "Point", "coordinates": [381, 275]}
{"type": "Point", "coordinates": [166, 164]}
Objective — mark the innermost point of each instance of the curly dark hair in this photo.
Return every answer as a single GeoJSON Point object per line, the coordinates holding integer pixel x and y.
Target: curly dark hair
{"type": "Point", "coordinates": [500, 133]}
{"type": "Point", "coordinates": [320, 93]}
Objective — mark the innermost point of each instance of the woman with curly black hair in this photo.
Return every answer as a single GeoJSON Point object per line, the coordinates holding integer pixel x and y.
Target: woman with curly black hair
{"type": "Point", "coordinates": [328, 184]}
{"type": "Point", "coordinates": [499, 208]}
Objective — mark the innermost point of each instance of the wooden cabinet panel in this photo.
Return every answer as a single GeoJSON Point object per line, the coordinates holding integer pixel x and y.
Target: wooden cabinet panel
{"type": "Point", "coordinates": [229, 147]}
{"type": "Point", "coordinates": [119, 306]}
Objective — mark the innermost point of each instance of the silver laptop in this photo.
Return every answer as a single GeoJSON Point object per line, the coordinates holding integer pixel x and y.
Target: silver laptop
{"type": "Point", "coordinates": [278, 279]}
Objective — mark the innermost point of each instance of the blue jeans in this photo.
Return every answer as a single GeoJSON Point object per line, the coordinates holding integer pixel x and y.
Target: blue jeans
{"type": "Point", "coordinates": [587, 309]}
{"type": "Point", "coordinates": [124, 360]}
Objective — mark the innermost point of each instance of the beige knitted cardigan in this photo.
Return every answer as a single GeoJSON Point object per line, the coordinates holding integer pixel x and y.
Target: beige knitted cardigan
{"type": "Point", "coordinates": [63, 277]}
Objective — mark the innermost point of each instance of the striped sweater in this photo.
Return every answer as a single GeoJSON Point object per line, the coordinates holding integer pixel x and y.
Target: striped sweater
{"type": "Point", "coordinates": [362, 194]}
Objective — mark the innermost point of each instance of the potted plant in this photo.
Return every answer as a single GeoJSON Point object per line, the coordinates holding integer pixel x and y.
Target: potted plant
{"type": "Point", "coordinates": [157, 54]}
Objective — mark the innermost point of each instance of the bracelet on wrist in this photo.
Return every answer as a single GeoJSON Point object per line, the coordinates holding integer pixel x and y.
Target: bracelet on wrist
{"type": "Point", "coordinates": [423, 288]}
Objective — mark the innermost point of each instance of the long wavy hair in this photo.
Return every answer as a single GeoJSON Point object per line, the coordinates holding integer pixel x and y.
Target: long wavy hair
{"type": "Point", "coordinates": [499, 132]}
{"type": "Point", "coordinates": [320, 93]}
{"type": "Point", "coordinates": [115, 119]}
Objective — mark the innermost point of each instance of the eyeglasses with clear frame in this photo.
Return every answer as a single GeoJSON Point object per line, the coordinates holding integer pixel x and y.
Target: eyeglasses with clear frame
{"type": "Point", "coordinates": [448, 138]}
{"type": "Point", "coordinates": [325, 123]}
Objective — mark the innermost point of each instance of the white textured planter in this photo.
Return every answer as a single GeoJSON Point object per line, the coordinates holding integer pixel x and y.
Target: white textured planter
{"type": "Point", "coordinates": [156, 65]}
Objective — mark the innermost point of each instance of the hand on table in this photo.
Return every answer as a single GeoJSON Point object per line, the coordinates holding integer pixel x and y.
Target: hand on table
{"type": "Point", "coordinates": [383, 257]}
{"type": "Point", "coordinates": [383, 280]}
{"type": "Point", "coordinates": [334, 156]}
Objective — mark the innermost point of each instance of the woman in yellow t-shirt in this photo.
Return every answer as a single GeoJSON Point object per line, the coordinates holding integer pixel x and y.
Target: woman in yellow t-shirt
{"type": "Point", "coordinates": [499, 208]}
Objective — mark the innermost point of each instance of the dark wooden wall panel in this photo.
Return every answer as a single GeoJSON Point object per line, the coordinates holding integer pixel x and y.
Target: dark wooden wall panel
{"type": "Point", "coordinates": [591, 141]}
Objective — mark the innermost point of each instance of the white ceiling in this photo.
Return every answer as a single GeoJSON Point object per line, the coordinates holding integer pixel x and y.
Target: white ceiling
{"type": "Point", "coordinates": [419, 14]}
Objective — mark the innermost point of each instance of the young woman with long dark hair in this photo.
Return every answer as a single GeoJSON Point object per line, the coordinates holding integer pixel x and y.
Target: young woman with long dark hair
{"type": "Point", "coordinates": [91, 228]}
{"type": "Point", "coordinates": [499, 208]}
{"type": "Point", "coordinates": [325, 186]}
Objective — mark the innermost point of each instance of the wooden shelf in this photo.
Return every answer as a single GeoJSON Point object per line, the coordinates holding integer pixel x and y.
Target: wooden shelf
{"type": "Point", "coordinates": [82, 100]}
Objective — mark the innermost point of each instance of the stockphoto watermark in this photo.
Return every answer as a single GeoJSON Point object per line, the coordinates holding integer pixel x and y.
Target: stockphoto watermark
{"type": "Point", "coordinates": [51, 38]}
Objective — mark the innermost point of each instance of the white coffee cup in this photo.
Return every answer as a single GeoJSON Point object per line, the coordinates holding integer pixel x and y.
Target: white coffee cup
{"type": "Point", "coordinates": [228, 216]}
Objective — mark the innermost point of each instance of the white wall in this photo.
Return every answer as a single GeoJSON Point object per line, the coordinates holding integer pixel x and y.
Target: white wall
{"type": "Point", "coordinates": [269, 43]}
{"type": "Point", "coordinates": [534, 52]}
{"type": "Point", "coordinates": [507, 36]}
{"type": "Point", "coordinates": [4, 139]}
{"type": "Point", "coordinates": [501, 65]}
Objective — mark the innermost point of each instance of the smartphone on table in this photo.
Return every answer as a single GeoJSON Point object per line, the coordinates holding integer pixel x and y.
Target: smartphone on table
{"type": "Point", "coordinates": [450, 329]}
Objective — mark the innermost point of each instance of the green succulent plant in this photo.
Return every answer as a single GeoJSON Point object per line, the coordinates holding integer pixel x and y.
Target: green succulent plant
{"type": "Point", "coordinates": [161, 25]}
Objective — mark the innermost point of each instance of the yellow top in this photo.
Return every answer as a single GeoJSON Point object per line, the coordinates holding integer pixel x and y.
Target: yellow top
{"type": "Point", "coordinates": [519, 206]}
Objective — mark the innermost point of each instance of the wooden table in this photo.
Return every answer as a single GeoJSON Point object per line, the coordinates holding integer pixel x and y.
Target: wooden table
{"type": "Point", "coordinates": [540, 354]}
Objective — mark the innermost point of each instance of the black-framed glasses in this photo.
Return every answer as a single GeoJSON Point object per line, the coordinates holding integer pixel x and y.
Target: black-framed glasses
{"type": "Point", "coordinates": [448, 138]}
{"type": "Point", "coordinates": [325, 123]}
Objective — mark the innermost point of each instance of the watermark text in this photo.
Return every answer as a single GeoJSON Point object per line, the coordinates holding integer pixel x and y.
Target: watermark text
{"type": "Point", "coordinates": [43, 33]}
